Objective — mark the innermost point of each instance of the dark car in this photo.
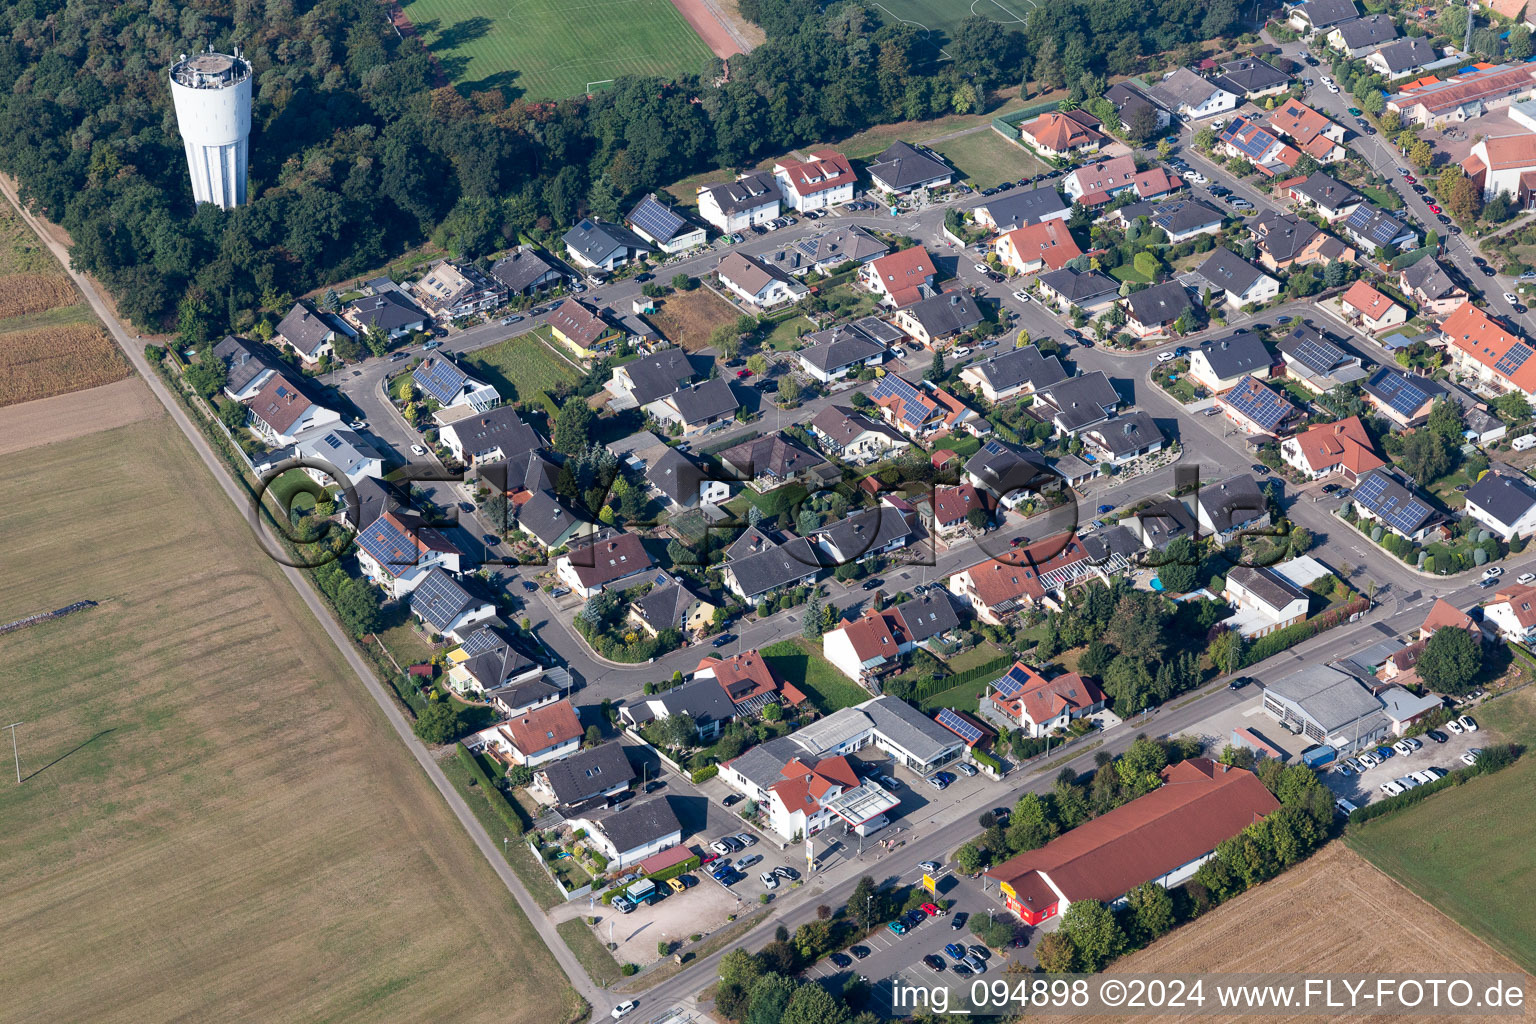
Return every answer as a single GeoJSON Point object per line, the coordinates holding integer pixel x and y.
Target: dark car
{"type": "Point", "coordinates": [841, 959]}
{"type": "Point", "coordinates": [872, 584]}
{"type": "Point", "coordinates": [958, 921]}
{"type": "Point", "coordinates": [1073, 333]}
{"type": "Point", "coordinates": [733, 799]}
{"type": "Point", "coordinates": [1489, 272]}
{"type": "Point", "coordinates": [859, 952]}
{"type": "Point", "coordinates": [788, 874]}
{"type": "Point", "coordinates": [915, 918]}
{"type": "Point", "coordinates": [1239, 682]}
{"type": "Point", "coordinates": [1259, 468]}
{"type": "Point", "coordinates": [397, 356]}
{"type": "Point", "coordinates": [962, 970]}
{"type": "Point", "coordinates": [530, 586]}
{"type": "Point", "coordinates": [1437, 735]}
{"type": "Point", "coordinates": [935, 963]}
{"type": "Point", "coordinates": [980, 952]}
{"type": "Point", "coordinates": [722, 639]}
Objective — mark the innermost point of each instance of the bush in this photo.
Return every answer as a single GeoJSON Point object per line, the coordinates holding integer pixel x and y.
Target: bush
{"type": "Point", "coordinates": [628, 970]}
{"type": "Point", "coordinates": [706, 773]}
{"type": "Point", "coordinates": [510, 816]}
{"type": "Point", "coordinates": [983, 758]}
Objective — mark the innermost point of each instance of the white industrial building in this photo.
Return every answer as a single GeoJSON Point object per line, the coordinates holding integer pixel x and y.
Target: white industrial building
{"type": "Point", "coordinates": [212, 94]}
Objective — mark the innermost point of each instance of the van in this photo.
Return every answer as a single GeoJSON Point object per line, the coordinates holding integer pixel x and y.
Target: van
{"type": "Point", "coordinates": [429, 346]}
{"type": "Point", "coordinates": [1524, 442]}
{"type": "Point", "coordinates": [1344, 807]}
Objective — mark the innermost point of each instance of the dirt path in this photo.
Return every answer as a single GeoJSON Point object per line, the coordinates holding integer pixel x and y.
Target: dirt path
{"type": "Point", "coordinates": [76, 414]}
{"type": "Point", "coordinates": [707, 21]}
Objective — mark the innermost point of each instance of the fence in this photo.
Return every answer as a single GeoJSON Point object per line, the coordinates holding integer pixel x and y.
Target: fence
{"type": "Point", "coordinates": [1007, 125]}
{"type": "Point", "coordinates": [990, 670]}
{"type": "Point", "coordinates": [566, 894]}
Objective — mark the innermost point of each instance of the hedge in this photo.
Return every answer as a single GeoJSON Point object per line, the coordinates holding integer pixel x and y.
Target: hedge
{"type": "Point", "coordinates": [1492, 759]}
{"type": "Point", "coordinates": [1273, 643]}
{"type": "Point", "coordinates": [504, 809]}
{"type": "Point", "coordinates": [991, 670]}
{"type": "Point", "coordinates": [705, 774]}
{"type": "Point", "coordinates": [680, 868]}
{"type": "Point", "coordinates": [982, 757]}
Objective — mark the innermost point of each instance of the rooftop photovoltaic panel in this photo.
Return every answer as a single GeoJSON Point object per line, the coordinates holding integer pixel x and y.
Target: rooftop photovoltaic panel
{"type": "Point", "coordinates": [480, 641]}
{"type": "Point", "coordinates": [914, 408]}
{"type": "Point", "coordinates": [959, 726]}
{"type": "Point", "coordinates": [1318, 356]}
{"type": "Point", "coordinates": [1512, 360]}
{"type": "Point", "coordinates": [655, 219]}
{"type": "Point", "coordinates": [1399, 392]}
{"type": "Point", "coordinates": [1258, 403]}
{"type": "Point", "coordinates": [1404, 514]}
{"type": "Point", "coordinates": [440, 379]}
{"type": "Point", "coordinates": [437, 598]}
{"type": "Point", "coordinates": [387, 545]}
{"type": "Point", "coordinates": [1011, 683]}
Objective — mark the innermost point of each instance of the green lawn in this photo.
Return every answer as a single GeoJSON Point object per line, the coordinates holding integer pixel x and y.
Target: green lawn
{"type": "Point", "coordinates": [786, 335]}
{"type": "Point", "coordinates": [1386, 198]}
{"type": "Point", "coordinates": [987, 158]}
{"type": "Point", "coordinates": [797, 662]}
{"type": "Point", "coordinates": [296, 484]}
{"type": "Point", "coordinates": [1468, 849]}
{"type": "Point", "coordinates": [963, 445]}
{"type": "Point", "coordinates": [521, 367]}
{"type": "Point", "coordinates": [944, 16]}
{"type": "Point", "coordinates": [1127, 272]}
{"type": "Point", "coordinates": [542, 49]}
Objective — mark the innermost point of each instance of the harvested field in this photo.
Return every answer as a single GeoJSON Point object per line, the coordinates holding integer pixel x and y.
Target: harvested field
{"type": "Point", "coordinates": [33, 293]}
{"type": "Point", "coordinates": [76, 414]}
{"type": "Point", "coordinates": [688, 318]}
{"type": "Point", "coordinates": [217, 821]}
{"type": "Point", "coordinates": [1335, 913]}
{"type": "Point", "coordinates": [20, 250]}
{"type": "Point", "coordinates": [46, 361]}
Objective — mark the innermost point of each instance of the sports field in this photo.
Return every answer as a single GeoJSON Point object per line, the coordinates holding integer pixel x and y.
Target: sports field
{"type": "Point", "coordinates": [548, 49]}
{"type": "Point", "coordinates": [944, 16]}
{"type": "Point", "coordinates": [216, 820]}
{"type": "Point", "coordinates": [1470, 849]}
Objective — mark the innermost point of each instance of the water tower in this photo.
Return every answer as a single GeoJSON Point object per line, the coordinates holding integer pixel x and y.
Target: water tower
{"type": "Point", "coordinates": [212, 92]}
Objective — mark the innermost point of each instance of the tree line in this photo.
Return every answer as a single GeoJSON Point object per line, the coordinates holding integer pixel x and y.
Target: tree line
{"type": "Point", "coordinates": [356, 155]}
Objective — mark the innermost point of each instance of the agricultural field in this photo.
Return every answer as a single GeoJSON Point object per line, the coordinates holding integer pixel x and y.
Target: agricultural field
{"type": "Point", "coordinates": [688, 318]}
{"type": "Point", "coordinates": [49, 341]}
{"type": "Point", "coordinates": [544, 49]}
{"type": "Point", "coordinates": [216, 820]}
{"type": "Point", "coordinates": [986, 158]}
{"type": "Point", "coordinates": [521, 367]}
{"type": "Point", "coordinates": [1332, 914]}
{"type": "Point", "coordinates": [1468, 850]}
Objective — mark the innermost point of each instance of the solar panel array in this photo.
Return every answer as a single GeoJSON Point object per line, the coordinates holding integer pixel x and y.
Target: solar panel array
{"type": "Point", "coordinates": [438, 599]}
{"type": "Point", "coordinates": [655, 219]}
{"type": "Point", "coordinates": [1015, 681]}
{"type": "Point", "coordinates": [915, 409]}
{"type": "Point", "coordinates": [389, 546]}
{"type": "Point", "coordinates": [440, 379]}
{"type": "Point", "coordinates": [959, 726]}
{"type": "Point", "coordinates": [1248, 138]}
{"type": "Point", "coordinates": [1401, 511]}
{"type": "Point", "coordinates": [1317, 356]}
{"type": "Point", "coordinates": [1259, 404]}
{"type": "Point", "coordinates": [1398, 391]}
{"type": "Point", "coordinates": [480, 641]}
{"type": "Point", "coordinates": [1512, 360]}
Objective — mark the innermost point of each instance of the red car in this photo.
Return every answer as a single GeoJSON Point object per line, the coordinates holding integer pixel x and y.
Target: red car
{"type": "Point", "coordinates": [932, 910]}
{"type": "Point", "coordinates": [741, 374]}
{"type": "Point", "coordinates": [1433, 208]}
{"type": "Point", "coordinates": [1410, 179]}
{"type": "Point", "coordinates": [707, 856]}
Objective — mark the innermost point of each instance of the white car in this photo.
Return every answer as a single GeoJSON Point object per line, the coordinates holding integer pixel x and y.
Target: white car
{"type": "Point", "coordinates": [770, 880]}
{"type": "Point", "coordinates": [1423, 777]}
{"type": "Point", "coordinates": [1493, 572]}
{"type": "Point", "coordinates": [1455, 727]}
{"type": "Point", "coordinates": [1023, 296]}
{"type": "Point", "coordinates": [1333, 89]}
{"type": "Point", "coordinates": [1526, 577]}
{"type": "Point", "coordinates": [625, 1008]}
{"type": "Point", "coordinates": [417, 449]}
{"type": "Point", "coordinates": [720, 848]}
{"type": "Point", "coordinates": [1465, 721]}
{"type": "Point", "coordinates": [1325, 79]}
{"type": "Point", "coordinates": [981, 268]}
{"type": "Point", "coordinates": [1165, 357]}
{"type": "Point", "coordinates": [1511, 298]}
{"type": "Point", "coordinates": [1471, 756]}
{"type": "Point", "coordinates": [1402, 748]}
{"type": "Point", "coordinates": [960, 352]}
{"type": "Point", "coordinates": [1391, 788]}
{"type": "Point", "coordinates": [1197, 177]}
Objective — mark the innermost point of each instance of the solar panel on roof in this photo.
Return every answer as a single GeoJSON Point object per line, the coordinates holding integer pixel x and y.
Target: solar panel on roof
{"type": "Point", "coordinates": [959, 726]}
{"type": "Point", "coordinates": [1012, 683]}
{"type": "Point", "coordinates": [1512, 360]}
{"type": "Point", "coordinates": [480, 641]}
{"type": "Point", "coordinates": [388, 546]}
{"type": "Point", "coordinates": [1403, 514]}
{"type": "Point", "coordinates": [914, 410]}
{"type": "Point", "coordinates": [1399, 392]}
{"type": "Point", "coordinates": [1318, 355]}
{"type": "Point", "coordinates": [1259, 404]}
{"type": "Point", "coordinates": [655, 219]}
{"type": "Point", "coordinates": [440, 598]}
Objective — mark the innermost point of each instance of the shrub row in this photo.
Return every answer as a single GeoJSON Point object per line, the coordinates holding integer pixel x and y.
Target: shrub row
{"type": "Point", "coordinates": [1284, 639]}
{"type": "Point", "coordinates": [509, 815]}
{"type": "Point", "coordinates": [705, 774]}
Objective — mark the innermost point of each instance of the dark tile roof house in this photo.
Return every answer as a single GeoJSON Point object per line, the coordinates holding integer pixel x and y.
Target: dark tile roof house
{"type": "Point", "coordinates": [928, 615]}
{"type": "Point", "coordinates": [658, 220]}
{"type": "Point", "coordinates": [609, 559]}
{"type": "Point", "coordinates": [1128, 99]}
{"type": "Point", "coordinates": [244, 362]}
{"type": "Point", "coordinates": [705, 699]}
{"type": "Point", "coordinates": [772, 455]}
{"type": "Point", "coordinates": [639, 825]}
{"type": "Point", "coordinates": [840, 426]}
{"type": "Point", "coordinates": [580, 323]}
{"type": "Point", "coordinates": [1184, 216]}
{"type": "Point", "coordinates": [1014, 210]}
{"type": "Point", "coordinates": [1283, 236]}
{"type": "Point", "coordinates": [1430, 280]}
{"type": "Point", "coordinates": [1406, 55]}
{"type": "Point", "coordinates": [1127, 435]}
{"type": "Point", "coordinates": [1010, 470]}
{"type": "Point", "coordinates": [1163, 521]}
{"type": "Point", "coordinates": [526, 270]}
{"type": "Point", "coordinates": [390, 312]}
{"type": "Point", "coordinates": [546, 518]}
{"type": "Point", "coordinates": [1079, 402]}
{"type": "Point", "coordinates": [1228, 272]}
{"type": "Point", "coordinates": [494, 434]}
{"type": "Point", "coordinates": [1080, 287]}
{"type": "Point", "coordinates": [279, 404]}
{"type": "Point", "coordinates": [838, 349]}
{"type": "Point", "coordinates": [374, 498]}
{"type": "Point", "coordinates": [946, 314]}
{"type": "Point", "coordinates": [1266, 585]}
{"type": "Point", "coordinates": [1009, 372]}
{"type": "Point", "coordinates": [676, 476]}
{"type": "Point", "coordinates": [587, 774]}
{"type": "Point", "coordinates": [1250, 76]}
{"type": "Point", "coordinates": [1232, 504]}
{"type": "Point", "coordinates": [1387, 497]}
{"type": "Point", "coordinates": [1236, 355]}
{"type": "Point", "coordinates": [308, 330]}
{"type": "Point", "coordinates": [1327, 192]}
{"type": "Point", "coordinates": [746, 193]}
{"type": "Point", "coordinates": [1325, 13]}
{"type": "Point", "coordinates": [1184, 88]}
{"type": "Point", "coordinates": [439, 376]}
{"type": "Point", "coordinates": [841, 245]}
{"type": "Point", "coordinates": [665, 606]}
{"type": "Point", "coordinates": [657, 375]}
{"type": "Point", "coordinates": [493, 661]}
{"type": "Point", "coordinates": [903, 167]}
{"type": "Point", "coordinates": [1371, 30]}
{"type": "Point", "coordinates": [599, 241]}
{"type": "Point", "coordinates": [774, 567]}
{"type": "Point", "coordinates": [1378, 229]}
{"type": "Point", "coordinates": [1160, 304]}
{"type": "Point", "coordinates": [866, 532]}
{"type": "Point", "coordinates": [527, 473]}
{"type": "Point", "coordinates": [703, 403]}
{"type": "Point", "coordinates": [1506, 497]}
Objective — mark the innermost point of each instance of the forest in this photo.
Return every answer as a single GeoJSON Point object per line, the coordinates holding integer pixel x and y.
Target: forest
{"type": "Point", "coordinates": [356, 155]}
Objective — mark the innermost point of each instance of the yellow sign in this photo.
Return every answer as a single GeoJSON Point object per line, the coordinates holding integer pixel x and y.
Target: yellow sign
{"type": "Point", "coordinates": [930, 884]}
{"type": "Point", "coordinates": [1008, 890]}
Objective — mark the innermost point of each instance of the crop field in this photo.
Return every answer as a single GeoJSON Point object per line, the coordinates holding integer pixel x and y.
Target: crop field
{"type": "Point", "coordinates": [1332, 914]}
{"type": "Point", "coordinates": [1469, 850]}
{"type": "Point", "coordinates": [521, 367]}
{"type": "Point", "coordinates": [546, 49]}
{"type": "Point", "coordinates": [45, 361]}
{"type": "Point", "coordinates": [216, 821]}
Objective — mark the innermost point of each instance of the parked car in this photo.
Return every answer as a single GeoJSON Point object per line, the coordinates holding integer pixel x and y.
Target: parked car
{"type": "Point", "coordinates": [1239, 682]}
{"type": "Point", "coordinates": [969, 771]}
{"type": "Point", "coordinates": [859, 952]}
{"type": "Point", "coordinates": [1402, 748]}
{"type": "Point", "coordinates": [935, 963]}
{"type": "Point", "coordinates": [788, 874]}
{"type": "Point", "coordinates": [1437, 735]}
{"type": "Point", "coordinates": [1526, 578]}
{"type": "Point", "coordinates": [417, 449]}
{"type": "Point", "coordinates": [1492, 572]}
{"type": "Point", "coordinates": [871, 584]}
{"type": "Point", "coordinates": [733, 800]}
{"type": "Point", "coordinates": [1391, 788]}
{"type": "Point", "coordinates": [897, 927]}
{"type": "Point", "coordinates": [1466, 722]}
{"type": "Point", "coordinates": [769, 879]}
{"type": "Point", "coordinates": [958, 921]}
{"type": "Point", "coordinates": [1455, 727]}
{"type": "Point", "coordinates": [722, 639]}
{"type": "Point", "coordinates": [720, 848]}
{"type": "Point", "coordinates": [676, 885]}
{"type": "Point", "coordinates": [622, 905]}
{"type": "Point", "coordinates": [748, 861]}
{"type": "Point", "coordinates": [1471, 756]}
{"type": "Point", "coordinates": [841, 959]}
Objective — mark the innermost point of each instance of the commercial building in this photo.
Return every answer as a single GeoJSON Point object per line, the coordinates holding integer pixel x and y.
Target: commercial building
{"type": "Point", "coordinates": [1328, 706]}
{"type": "Point", "coordinates": [1472, 93]}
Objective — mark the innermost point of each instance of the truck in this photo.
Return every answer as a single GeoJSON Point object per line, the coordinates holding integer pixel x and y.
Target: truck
{"type": "Point", "coordinates": [643, 891]}
{"type": "Point", "coordinates": [1316, 757]}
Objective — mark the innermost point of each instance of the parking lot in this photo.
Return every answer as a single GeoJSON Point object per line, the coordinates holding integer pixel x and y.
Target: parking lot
{"type": "Point", "coordinates": [1361, 789]}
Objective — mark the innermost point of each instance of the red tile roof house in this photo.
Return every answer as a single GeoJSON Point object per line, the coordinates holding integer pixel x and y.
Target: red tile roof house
{"type": "Point", "coordinates": [864, 647]}
{"type": "Point", "coordinates": [1478, 346]}
{"type": "Point", "coordinates": [900, 278]}
{"type": "Point", "coordinates": [1044, 246]}
{"type": "Point", "coordinates": [589, 568]}
{"type": "Point", "coordinates": [1512, 613]}
{"type": "Point", "coordinates": [1057, 134]}
{"type": "Point", "coordinates": [1040, 706]}
{"type": "Point", "coordinates": [749, 682]}
{"type": "Point", "coordinates": [1371, 309]}
{"type": "Point", "coordinates": [1097, 183]}
{"type": "Point", "coordinates": [1024, 578]}
{"type": "Point", "coordinates": [806, 800]}
{"type": "Point", "coordinates": [1161, 837]}
{"type": "Point", "coordinates": [826, 179]}
{"type": "Point", "coordinates": [1343, 447]}
{"type": "Point", "coordinates": [540, 735]}
{"type": "Point", "coordinates": [952, 506]}
{"type": "Point", "coordinates": [1443, 614]}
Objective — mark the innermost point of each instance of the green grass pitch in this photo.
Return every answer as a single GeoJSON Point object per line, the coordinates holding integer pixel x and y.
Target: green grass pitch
{"type": "Point", "coordinates": [944, 16]}
{"type": "Point", "coordinates": [544, 49]}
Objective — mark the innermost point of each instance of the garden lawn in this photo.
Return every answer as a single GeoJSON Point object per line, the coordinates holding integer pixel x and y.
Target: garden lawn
{"type": "Point", "coordinates": [1127, 272]}
{"type": "Point", "coordinates": [521, 367]}
{"type": "Point", "coordinates": [986, 158]}
{"type": "Point", "coordinates": [1386, 198]}
{"type": "Point", "coordinates": [964, 446]}
{"type": "Point", "coordinates": [797, 662]}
